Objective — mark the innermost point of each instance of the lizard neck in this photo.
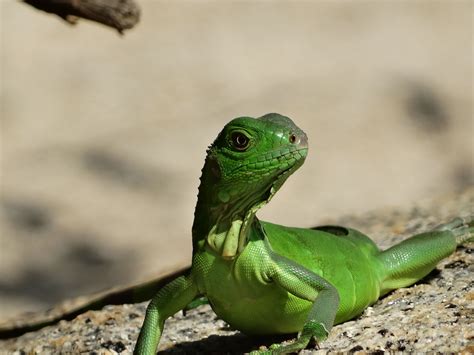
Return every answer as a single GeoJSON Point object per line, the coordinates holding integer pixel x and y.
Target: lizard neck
{"type": "Point", "coordinates": [223, 217]}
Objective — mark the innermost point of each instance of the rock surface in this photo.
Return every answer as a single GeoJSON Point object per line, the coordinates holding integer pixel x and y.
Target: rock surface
{"type": "Point", "coordinates": [436, 314]}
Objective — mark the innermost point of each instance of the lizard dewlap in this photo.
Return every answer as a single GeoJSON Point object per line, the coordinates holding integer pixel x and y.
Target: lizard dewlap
{"type": "Point", "coordinates": [264, 278]}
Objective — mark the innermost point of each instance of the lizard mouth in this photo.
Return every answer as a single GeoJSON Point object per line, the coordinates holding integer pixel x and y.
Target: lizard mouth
{"type": "Point", "coordinates": [284, 174]}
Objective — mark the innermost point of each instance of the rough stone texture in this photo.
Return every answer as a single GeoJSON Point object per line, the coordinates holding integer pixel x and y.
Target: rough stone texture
{"type": "Point", "coordinates": [434, 315]}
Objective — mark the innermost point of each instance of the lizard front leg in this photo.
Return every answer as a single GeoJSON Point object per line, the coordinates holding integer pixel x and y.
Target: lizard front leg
{"type": "Point", "coordinates": [170, 299]}
{"type": "Point", "coordinates": [307, 285]}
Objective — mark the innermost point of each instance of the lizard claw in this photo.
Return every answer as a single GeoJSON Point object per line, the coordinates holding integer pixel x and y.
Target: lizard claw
{"type": "Point", "coordinates": [312, 333]}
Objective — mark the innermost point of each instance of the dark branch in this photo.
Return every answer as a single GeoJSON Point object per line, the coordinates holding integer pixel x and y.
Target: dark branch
{"type": "Point", "coordinates": [119, 14]}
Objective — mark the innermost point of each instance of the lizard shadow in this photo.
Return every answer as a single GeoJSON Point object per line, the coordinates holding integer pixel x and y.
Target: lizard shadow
{"type": "Point", "coordinates": [214, 344]}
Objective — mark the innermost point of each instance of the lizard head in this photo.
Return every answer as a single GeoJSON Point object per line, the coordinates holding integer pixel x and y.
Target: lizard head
{"type": "Point", "coordinates": [248, 162]}
{"type": "Point", "coordinates": [254, 157]}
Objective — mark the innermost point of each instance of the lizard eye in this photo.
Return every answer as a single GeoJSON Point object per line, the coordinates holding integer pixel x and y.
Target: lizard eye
{"type": "Point", "coordinates": [240, 141]}
{"type": "Point", "coordinates": [292, 138]}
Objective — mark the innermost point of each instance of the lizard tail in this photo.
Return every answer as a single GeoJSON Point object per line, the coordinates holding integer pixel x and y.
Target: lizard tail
{"type": "Point", "coordinates": [70, 309]}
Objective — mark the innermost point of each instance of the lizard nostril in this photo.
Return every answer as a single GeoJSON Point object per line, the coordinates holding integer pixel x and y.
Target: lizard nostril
{"type": "Point", "coordinates": [292, 138]}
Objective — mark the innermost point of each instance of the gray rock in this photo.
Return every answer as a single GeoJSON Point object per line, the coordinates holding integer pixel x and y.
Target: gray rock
{"type": "Point", "coordinates": [433, 315]}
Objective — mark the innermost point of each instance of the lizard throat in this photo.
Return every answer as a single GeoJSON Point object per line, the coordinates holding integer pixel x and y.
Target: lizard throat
{"type": "Point", "coordinates": [229, 239]}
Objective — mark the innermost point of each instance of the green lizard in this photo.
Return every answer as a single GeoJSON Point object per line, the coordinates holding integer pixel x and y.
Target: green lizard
{"type": "Point", "coordinates": [258, 276]}
{"type": "Point", "coordinates": [264, 278]}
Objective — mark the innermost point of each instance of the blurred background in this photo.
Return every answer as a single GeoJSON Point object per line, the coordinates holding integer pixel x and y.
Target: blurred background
{"type": "Point", "coordinates": [103, 137]}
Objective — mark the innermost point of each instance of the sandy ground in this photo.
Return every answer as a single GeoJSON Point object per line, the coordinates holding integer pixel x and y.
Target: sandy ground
{"type": "Point", "coordinates": [103, 137]}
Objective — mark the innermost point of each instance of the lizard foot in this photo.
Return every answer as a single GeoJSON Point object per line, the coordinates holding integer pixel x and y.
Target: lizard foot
{"type": "Point", "coordinates": [312, 332]}
{"type": "Point", "coordinates": [462, 228]}
{"type": "Point", "coordinates": [457, 223]}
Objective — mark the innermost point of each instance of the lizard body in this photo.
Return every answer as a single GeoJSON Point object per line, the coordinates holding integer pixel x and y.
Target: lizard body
{"type": "Point", "coordinates": [264, 278]}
